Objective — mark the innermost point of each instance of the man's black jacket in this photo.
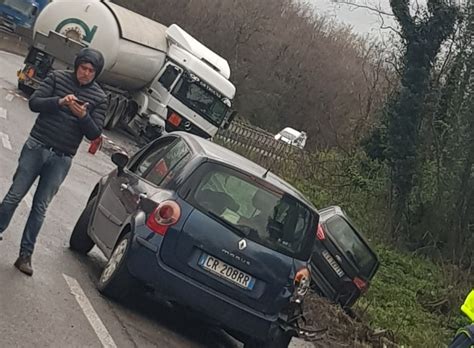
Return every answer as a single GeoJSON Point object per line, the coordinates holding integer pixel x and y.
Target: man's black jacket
{"type": "Point", "coordinates": [56, 126]}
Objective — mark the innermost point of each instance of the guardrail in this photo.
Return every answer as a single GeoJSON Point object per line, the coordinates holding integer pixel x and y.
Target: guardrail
{"type": "Point", "coordinates": [257, 145]}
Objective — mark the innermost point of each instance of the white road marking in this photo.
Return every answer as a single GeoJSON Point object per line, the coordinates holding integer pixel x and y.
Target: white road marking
{"type": "Point", "coordinates": [5, 141]}
{"type": "Point", "coordinates": [3, 113]}
{"type": "Point", "coordinates": [90, 313]}
{"type": "Point", "coordinates": [9, 97]}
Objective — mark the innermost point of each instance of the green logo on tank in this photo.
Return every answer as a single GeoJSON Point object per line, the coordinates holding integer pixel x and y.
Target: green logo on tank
{"type": "Point", "coordinates": [76, 29]}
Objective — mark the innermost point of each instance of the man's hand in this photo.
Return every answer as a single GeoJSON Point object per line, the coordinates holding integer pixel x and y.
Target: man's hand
{"type": "Point", "coordinates": [78, 110]}
{"type": "Point", "coordinates": [67, 100]}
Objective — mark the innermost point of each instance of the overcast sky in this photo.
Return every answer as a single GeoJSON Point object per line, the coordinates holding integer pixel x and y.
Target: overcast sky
{"type": "Point", "coordinates": [362, 20]}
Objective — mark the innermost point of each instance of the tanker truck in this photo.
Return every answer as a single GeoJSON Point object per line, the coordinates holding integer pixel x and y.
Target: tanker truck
{"type": "Point", "coordinates": [155, 77]}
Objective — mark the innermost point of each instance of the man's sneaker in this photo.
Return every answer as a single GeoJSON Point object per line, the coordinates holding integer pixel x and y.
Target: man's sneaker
{"type": "Point", "coordinates": [1, 237]}
{"type": "Point", "coordinates": [23, 263]}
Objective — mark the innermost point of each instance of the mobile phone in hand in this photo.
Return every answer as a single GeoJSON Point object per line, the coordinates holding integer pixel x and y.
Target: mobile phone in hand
{"type": "Point", "coordinates": [80, 102]}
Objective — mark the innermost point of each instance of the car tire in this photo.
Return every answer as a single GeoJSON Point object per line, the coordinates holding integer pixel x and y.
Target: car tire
{"type": "Point", "coordinates": [280, 339]}
{"type": "Point", "coordinates": [116, 281]}
{"type": "Point", "coordinates": [80, 240]}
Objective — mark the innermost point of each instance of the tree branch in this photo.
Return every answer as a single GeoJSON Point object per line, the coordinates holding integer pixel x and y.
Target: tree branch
{"type": "Point", "coordinates": [447, 58]}
{"type": "Point", "coordinates": [401, 10]}
{"type": "Point", "coordinates": [370, 8]}
{"type": "Point", "coordinates": [383, 26]}
{"type": "Point", "coordinates": [441, 23]}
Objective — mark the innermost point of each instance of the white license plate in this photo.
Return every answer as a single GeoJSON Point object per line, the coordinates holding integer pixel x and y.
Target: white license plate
{"type": "Point", "coordinates": [334, 265]}
{"type": "Point", "coordinates": [223, 270]}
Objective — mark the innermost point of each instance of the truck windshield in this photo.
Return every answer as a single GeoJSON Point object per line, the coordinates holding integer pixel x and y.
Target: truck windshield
{"type": "Point", "coordinates": [24, 7]}
{"type": "Point", "coordinates": [201, 98]}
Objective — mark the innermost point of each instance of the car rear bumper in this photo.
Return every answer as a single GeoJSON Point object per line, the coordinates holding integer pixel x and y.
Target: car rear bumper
{"type": "Point", "coordinates": [27, 81]}
{"type": "Point", "coordinates": [144, 265]}
{"type": "Point", "coordinates": [328, 291]}
{"type": "Point", "coordinates": [322, 284]}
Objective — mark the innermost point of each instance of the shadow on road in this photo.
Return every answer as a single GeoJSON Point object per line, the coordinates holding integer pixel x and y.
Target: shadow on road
{"type": "Point", "coordinates": [173, 317]}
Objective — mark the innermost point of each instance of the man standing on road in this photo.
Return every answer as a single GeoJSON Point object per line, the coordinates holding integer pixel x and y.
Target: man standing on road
{"type": "Point", "coordinates": [71, 105]}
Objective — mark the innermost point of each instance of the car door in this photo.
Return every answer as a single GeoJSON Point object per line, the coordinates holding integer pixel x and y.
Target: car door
{"type": "Point", "coordinates": [123, 192]}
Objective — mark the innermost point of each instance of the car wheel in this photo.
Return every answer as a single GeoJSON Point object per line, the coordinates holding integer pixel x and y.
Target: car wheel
{"type": "Point", "coordinates": [280, 339]}
{"type": "Point", "coordinates": [116, 281]}
{"type": "Point", "coordinates": [80, 240]}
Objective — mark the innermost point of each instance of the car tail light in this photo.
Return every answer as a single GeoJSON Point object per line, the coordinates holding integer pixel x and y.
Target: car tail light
{"type": "Point", "coordinates": [320, 233]}
{"type": "Point", "coordinates": [165, 215]}
{"type": "Point", "coordinates": [175, 119]}
{"type": "Point", "coordinates": [360, 284]}
{"type": "Point", "coordinates": [302, 282]}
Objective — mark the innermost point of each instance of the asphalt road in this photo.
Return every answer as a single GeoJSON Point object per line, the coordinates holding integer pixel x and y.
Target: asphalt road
{"type": "Point", "coordinates": [59, 306]}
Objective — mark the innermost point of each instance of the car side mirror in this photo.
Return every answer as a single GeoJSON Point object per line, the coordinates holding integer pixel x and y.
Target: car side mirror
{"type": "Point", "coordinates": [120, 160]}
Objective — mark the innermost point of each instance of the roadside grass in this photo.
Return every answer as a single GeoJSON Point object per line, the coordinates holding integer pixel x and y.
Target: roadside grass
{"type": "Point", "coordinates": [415, 299]}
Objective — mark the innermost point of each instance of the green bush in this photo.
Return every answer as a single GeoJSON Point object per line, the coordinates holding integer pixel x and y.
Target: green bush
{"type": "Point", "coordinates": [409, 297]}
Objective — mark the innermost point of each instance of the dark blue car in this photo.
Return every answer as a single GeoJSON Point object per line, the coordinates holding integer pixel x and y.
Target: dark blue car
{"type": "Point", "coordinates": [343, 263]}
{"type": "Point", "coordinates": [205, 228]}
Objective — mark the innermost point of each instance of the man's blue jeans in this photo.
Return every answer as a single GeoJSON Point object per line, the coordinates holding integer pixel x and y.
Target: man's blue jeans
{"type": "Point", "coordinates": [35, 160]}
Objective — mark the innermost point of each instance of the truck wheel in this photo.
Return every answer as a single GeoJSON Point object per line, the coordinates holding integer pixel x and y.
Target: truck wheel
{"type": "Point", "coordinates": [280, 339]}
{"type": "Point", "coordinates": [109, 115]}
{"type": "Point", "coordinates": [132, 109]}
{"type": "Point", "coordinates": [119, 113]}
{"type": "Point", "coordinates": [80, 240]}
{"type": "Point", "coordinates": [116, 281]}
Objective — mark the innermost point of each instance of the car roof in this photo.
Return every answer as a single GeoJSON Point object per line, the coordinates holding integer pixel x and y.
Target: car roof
{"type": "Point", "coordinates": [292, 131]}
{"type": "Point", "coordinates": [218, 153]}
{"type": "Point", "coordinates": [328, 212]}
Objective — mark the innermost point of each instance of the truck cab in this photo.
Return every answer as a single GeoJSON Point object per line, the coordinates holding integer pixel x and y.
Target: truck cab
{"type": "Point", "coordinates": [193, 87]}
{"type": "Point", "coordinates": [17, 13]}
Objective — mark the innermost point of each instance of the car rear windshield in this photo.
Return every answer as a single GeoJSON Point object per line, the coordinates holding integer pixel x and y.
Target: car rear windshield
{"type": "Point", "coordinates": [352, 245]}
{"type": "Point", "coordinates": [254, 210]}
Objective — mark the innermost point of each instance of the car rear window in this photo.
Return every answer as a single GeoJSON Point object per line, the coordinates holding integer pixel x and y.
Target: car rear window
{"type": "Point", "coordinates": [252, 209]}
{"type": "Point", "coordinates": [352, 245]}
